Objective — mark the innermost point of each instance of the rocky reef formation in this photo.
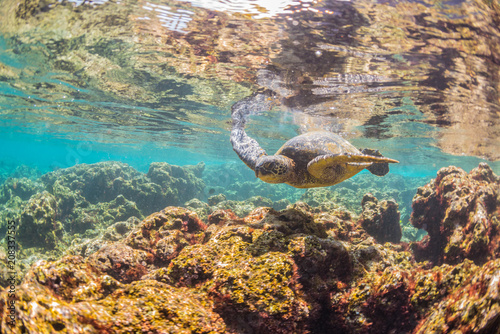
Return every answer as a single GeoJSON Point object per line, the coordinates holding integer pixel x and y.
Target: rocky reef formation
{"type": "Point", "coordinates": [461, 213]}
{"type": "Point", "coordinates": [85, 185]}
{"type": "Point", "coordinates": [380, 220]}
{"type": "Point", "coordinates": [84, 200]}
{"type": "Point", "coordinates": [15, 191]}
{"type": "Point", "coordinates": [239, 208]}
{"type": "Point", "coordinates": [238, 184]}
{"type": "Point", "coordinates": [298, 270]}
{"type": "Point", "coordinates": [350, 193]}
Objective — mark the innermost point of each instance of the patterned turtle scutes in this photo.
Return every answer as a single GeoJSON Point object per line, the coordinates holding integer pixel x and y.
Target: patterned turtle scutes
{"type": "Point", "coordinates": [313, 159]}
{"type": "Point", "coordinates": [308, 146]}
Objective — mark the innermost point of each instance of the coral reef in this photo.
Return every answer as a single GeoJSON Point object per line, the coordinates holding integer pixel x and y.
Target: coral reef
{"type": "Point", "coordinates": [298, 270]}
{"type": "Point", "coordinates": [238, 186]}
{"type": "Point", "coordinates": [460, 212]}
{"type": "Point", "coordinates": [349, 193]}
{"type": "Point", "coordinates": [83, 201]}
{"type": "Point", "coordinates": [240, 208]}
{"type": "Point", "coordinates": [80, 300]}
{"type": "Point", "coordinates": [85, 185]}
{"type": "Point", "coordinates": [97, 195]}
{"type": "Point", "coordinates": [14, 194]}
{"type": "Point", "coordinates": [22, 187]}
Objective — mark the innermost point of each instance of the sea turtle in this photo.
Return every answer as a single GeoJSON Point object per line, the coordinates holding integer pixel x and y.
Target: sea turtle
{"type": "Point", "coordinates": [313, 159]}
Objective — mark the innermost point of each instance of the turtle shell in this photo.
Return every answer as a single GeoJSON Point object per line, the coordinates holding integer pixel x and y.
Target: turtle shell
{"type": "Point", "coordinates": [306, 147]}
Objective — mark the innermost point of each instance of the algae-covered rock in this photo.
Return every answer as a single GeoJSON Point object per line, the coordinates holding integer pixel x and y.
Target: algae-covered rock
{"type": "Point", "coordinates": [22, 187]}
{"type": "Point", "coordinates": [120, 208]}
{"type": "Point", "coordinates": [243, 208]}
{"type": "Point", "coordinates": [380, 220]}
{"type": "Point", "coordinates": [459, 211]}
{"type": "Point", "coordinates": [317, 197]}
{"type": "Point", "coordinates": [216, 199]}
{"type": "Point", "coordinates": [70, 209]}
{"type": "Point", "coordinates": [38, 226]}
{"type": "Point", "coordinates": [244, 285]}
{"type": "Point", "coordinates": [180, 183]}
{"type": "Point", "coordinates": [472, 306]}
{"type": "Point", "coordinates": [200, 207]}
{"type": "Point", "coordinates": [14, 195]}
{"type": "Point", "coordinates": [81, 301]}
{"type": "Point", "coordinates": [90, 244]}
{"type": "Point", "coordinates": [11, 210]}
{"type": "Point", "coordinates": [165, 233]}
{"type": "Point", "coordinates": [121, 262]}
{"type": "Point", "coordinates": [298, 270]}
{"type": "Point", "coordinates": [120, 229]}
{"type": "Point", "coordinates": [349, 193]}
{"type": "Point", "coordinates": [418, 300]}
{"type": "Point", "coordinates": [29, 172]}
{"type": "Point", "coordinates": [104, 193]}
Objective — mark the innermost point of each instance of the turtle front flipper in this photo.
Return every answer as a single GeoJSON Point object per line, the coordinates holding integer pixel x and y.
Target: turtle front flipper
{"type": "Point", "coordinates": [322, 166]}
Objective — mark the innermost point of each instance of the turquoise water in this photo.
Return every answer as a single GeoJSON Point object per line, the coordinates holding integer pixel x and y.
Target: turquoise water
{"type": "Point", "coordinates": [47, 151]}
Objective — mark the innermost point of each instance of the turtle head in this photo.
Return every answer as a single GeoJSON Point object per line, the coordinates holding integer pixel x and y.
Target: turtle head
{"type": "Point", "coordinates": [274, 168]}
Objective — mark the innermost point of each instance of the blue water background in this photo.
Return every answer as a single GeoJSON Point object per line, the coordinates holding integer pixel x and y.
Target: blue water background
{"type": "Point", "coordinates": [47, 152]}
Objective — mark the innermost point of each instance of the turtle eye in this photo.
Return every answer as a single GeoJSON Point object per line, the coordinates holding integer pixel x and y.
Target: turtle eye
{"type": "Point", "coordinates": [268, 165]}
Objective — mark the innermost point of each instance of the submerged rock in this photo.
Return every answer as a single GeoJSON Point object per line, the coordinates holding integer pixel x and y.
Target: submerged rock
{"type": "Point", "coordinates": [14, 195]}
{"type": "Point", "coordinates": [65, 296]}
{"type": "Point", "coordinates": [460, 213]}
{"type": "Point", "coordinates": [86, 185]}
{"type": "Point", "coordinates": [216, 199]}
{"type": "Point", "coordinates": [38, 225]}
{"type": "Point", "coordinates": [98, 195]}
{"type": "Point", "coordinates": [178, 184]}
{"type": "Point", "coordinates": [22, 187]}
{"type": "Point", "coordinates": [380, 220]}
{"type": "Point", "coordinates": [64, 209]}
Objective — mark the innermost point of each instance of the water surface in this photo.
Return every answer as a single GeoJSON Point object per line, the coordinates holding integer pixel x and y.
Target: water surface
{"type": "Point", "coordinates": [144, 81]}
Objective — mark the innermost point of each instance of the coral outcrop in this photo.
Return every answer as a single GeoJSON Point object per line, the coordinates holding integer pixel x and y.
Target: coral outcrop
{"type": "Point", "coordinates": [86, 197]}
{"type": "Point", "coordinates": [460, 212]}
{"type": "Point", "coordinates": [83, 201]}
{"type": "Point", "coordinates": [380, 220]}
{"type": "Point", "coordinates": [86, 185]}
{"type": "Point", "coordinates": [14, 194]}
{"type": "Point", "coordinates": [39, 226]}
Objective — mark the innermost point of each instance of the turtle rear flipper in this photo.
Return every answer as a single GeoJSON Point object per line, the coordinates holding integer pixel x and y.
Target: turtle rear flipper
{"type": "Point", "coordinates": [379, 169]}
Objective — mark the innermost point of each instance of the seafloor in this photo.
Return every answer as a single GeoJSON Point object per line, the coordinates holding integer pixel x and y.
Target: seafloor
{"type": "Point", "coordinates": [104, 248]}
